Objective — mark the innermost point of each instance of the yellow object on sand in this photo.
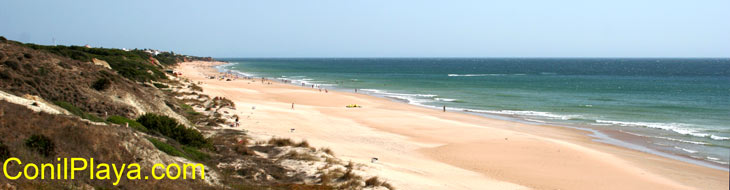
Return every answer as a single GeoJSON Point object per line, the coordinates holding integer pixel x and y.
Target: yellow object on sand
{"type": "Point", "coordinates": [353, 106]}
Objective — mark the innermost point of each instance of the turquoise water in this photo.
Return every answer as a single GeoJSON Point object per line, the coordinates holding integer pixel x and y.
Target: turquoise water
{"type": "Point", "coordinates": [680, 106]}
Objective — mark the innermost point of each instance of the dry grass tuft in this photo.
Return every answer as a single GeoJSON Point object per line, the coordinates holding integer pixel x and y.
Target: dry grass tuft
{"type": "Point", "coordinates": [294, 155]}
{"type": "Point", "coordinates": [303, 144]}
{"type": "Point", "coordinates": [281, 141]}
{"type": "Point", "coordinates": [327, 150]}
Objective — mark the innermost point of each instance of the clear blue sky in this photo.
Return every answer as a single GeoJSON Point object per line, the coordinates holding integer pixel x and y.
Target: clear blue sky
{"type": "Point", "coordinates": [381, 28]}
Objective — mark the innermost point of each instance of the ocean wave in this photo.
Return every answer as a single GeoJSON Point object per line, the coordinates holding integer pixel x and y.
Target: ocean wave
{"type": "Point", "coordinates": [686, 150]}
{"type": "Point", "coordinates": [720, 138]}
{"type": "Point", "coordinates": [242, 73]}
{"type": "Point", "coordinates": [482, 75]}
{"type": "Point", "coordinates": [716, 160]}
{"type": "Point", "coordinates": [416, 99]}
{"type": "Point", "coordinates": [298, 80]}
{"type": "Point", "coordinates": [446, 99]}
{"type": "Point", "coordinates": [669, 139]}
{"type": "Point", "coordinates": [527, 113]}
{"type": "Point", "coordinates": [681, 128]}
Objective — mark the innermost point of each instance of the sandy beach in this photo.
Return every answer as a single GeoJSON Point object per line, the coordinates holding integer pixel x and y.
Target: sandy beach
{"type": "Point", "coordinates": [421, 148]}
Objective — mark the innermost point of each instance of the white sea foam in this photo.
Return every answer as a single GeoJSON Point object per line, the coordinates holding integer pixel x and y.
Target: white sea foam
{"type": "Point", "coordinates": [446, 99]}
{"type": "Point", "coordinates": [681, 128]}
{"type": "Point", "coordinates": [481, 75]}
{"type": "Point", "coordinates": [716, 160]}
{"type": "Point", "coordinates": [416, 99]}
{"type": "Point", "coordinates": [686, 150]}
{"type": "Point", "coordinates": [719, 137]}
{"type": "Point", "coordinates": [547, 115]}
{"type": "Point", "coordinates": [298, 80]}
{"type": "Point", "coordinates": [667, 138]}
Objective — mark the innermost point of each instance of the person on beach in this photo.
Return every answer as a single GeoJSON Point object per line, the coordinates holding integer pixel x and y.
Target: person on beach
{"type": "Point", "coordinates": [444, 108]}
{"type": "Point", "coordinates": [292, 105]}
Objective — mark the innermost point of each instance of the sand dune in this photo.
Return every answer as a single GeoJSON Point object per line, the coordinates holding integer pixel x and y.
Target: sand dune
{"type": "Point", "coordinates": [420, 148]}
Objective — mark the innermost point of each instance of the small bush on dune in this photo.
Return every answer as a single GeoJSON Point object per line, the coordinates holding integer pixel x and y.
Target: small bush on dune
{"type": "Point", "coordinates": [303, 144]}
{"type": "Point", "coordinates": [388, 186]}
{"type": "Point", "coordinates": [101, 84]}
{"type": "Point", "coordinates": [4, 152]}
{"type": "Point", "coordinates": [294, 155]}
{"type": "Point", "coordinates": [327, 151]}
{"type": "Point", "coordinates": [195, 87]}
{"type": "Point", "coordinates": [169, 127]}
{"type": "Point", "coordinates": [12, 64]}
{"type": "Point", "coordinates": [349, 176]}
{"type": "Point", "coordinates": [41, 144]}
{"type": "Point", "coordinates": [281, 141]}
{"type": "Point", "coordinates": [195, 154]}
{"type": "Point", "coordinates": [158, 85]}
{"type": "Point", "coordinates": [375, 182]}
{"type": "Point", "coordinates": [244, 150]}
{"type": "Point", "coordinates": [164, 147]}
{"type": "Point", "coordinates": [123, 120]}
{"type": "Point", "coordinates": [69, 107]}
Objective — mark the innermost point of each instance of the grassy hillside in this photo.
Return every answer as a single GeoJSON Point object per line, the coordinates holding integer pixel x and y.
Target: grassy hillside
{"type": "Point", "coordinates": [122, 115]}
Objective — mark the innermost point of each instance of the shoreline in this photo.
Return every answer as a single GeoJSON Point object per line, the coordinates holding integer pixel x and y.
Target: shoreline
{"type": "Point", "coordinates": [609, 136]}
{"type": "Point", "coordinates": [433, 144]}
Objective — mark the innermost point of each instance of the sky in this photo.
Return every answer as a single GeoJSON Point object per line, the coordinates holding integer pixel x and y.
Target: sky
{"type": "Point", "coordinates": [380, 28]}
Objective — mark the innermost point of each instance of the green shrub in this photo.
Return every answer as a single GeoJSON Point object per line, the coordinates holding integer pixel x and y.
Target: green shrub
{"type": "Point", "coordinates": [41, 144]}
{"type": "Point", "coordinates": [194, 154]}
{"type": "Point", "coordinates": [171, 128]}
{"type": "Point", "coordinates": [101, 84]}
{"type": "Point", "coordinates": [70, 107]}
{"type": "Point", "coordinates": [133, 65]}
{"type": "Point", "coordinates": [123, 120]}
{"type": "Point", "coordinates": [164, 147]}
{"type": "Point", "coordinates": [168, 58]}
{"type": "Point", "coordinates": [189, 110]}
{"type": "Point", "coordinates": [4, 152]}
{"type": "Point", "coordinates": [159, 85]}
{"type": "Point", "coordinates": [92, 117]}
{"type": "Point", "coordinates": [12, 64]}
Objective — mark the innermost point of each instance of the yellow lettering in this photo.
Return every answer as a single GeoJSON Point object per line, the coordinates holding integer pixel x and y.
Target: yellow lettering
{"type": "Point", "coordinates": [91, 168]}
{"type": "Point", "coordinates": [118, 173]}
{"type": "Point", "coordinates": [105, 171]}
{"type": "Point", "coordinates": [193, 166]}
{"type": "Point", "coordinates": [154, 175]}
{"type": "Point", "coordinates": [177, 171]}
{"type": "Point", "coordinates": [35, 173]}
{"type": "Point", "coordinates": [43, 170]}
{"type": "Point", "coordinates": [137, 171]}
{"type": "Point", "coordinates": [5, 168]}
{"type": "Point", "coordinates": [74, 168]}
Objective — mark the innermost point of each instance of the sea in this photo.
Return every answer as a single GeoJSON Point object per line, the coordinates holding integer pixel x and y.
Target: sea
{"type": "Point", "coordinates": [674, 107]}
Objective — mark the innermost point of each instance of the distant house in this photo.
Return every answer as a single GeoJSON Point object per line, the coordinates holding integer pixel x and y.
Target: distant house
{"type": "Point", "coordinates": [153, 51]}
{"type": "Point", "coordinates": [87, 46]}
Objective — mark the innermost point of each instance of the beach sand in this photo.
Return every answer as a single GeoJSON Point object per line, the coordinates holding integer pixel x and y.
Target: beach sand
{"type": "Point", "coordinates": [421, 148]}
